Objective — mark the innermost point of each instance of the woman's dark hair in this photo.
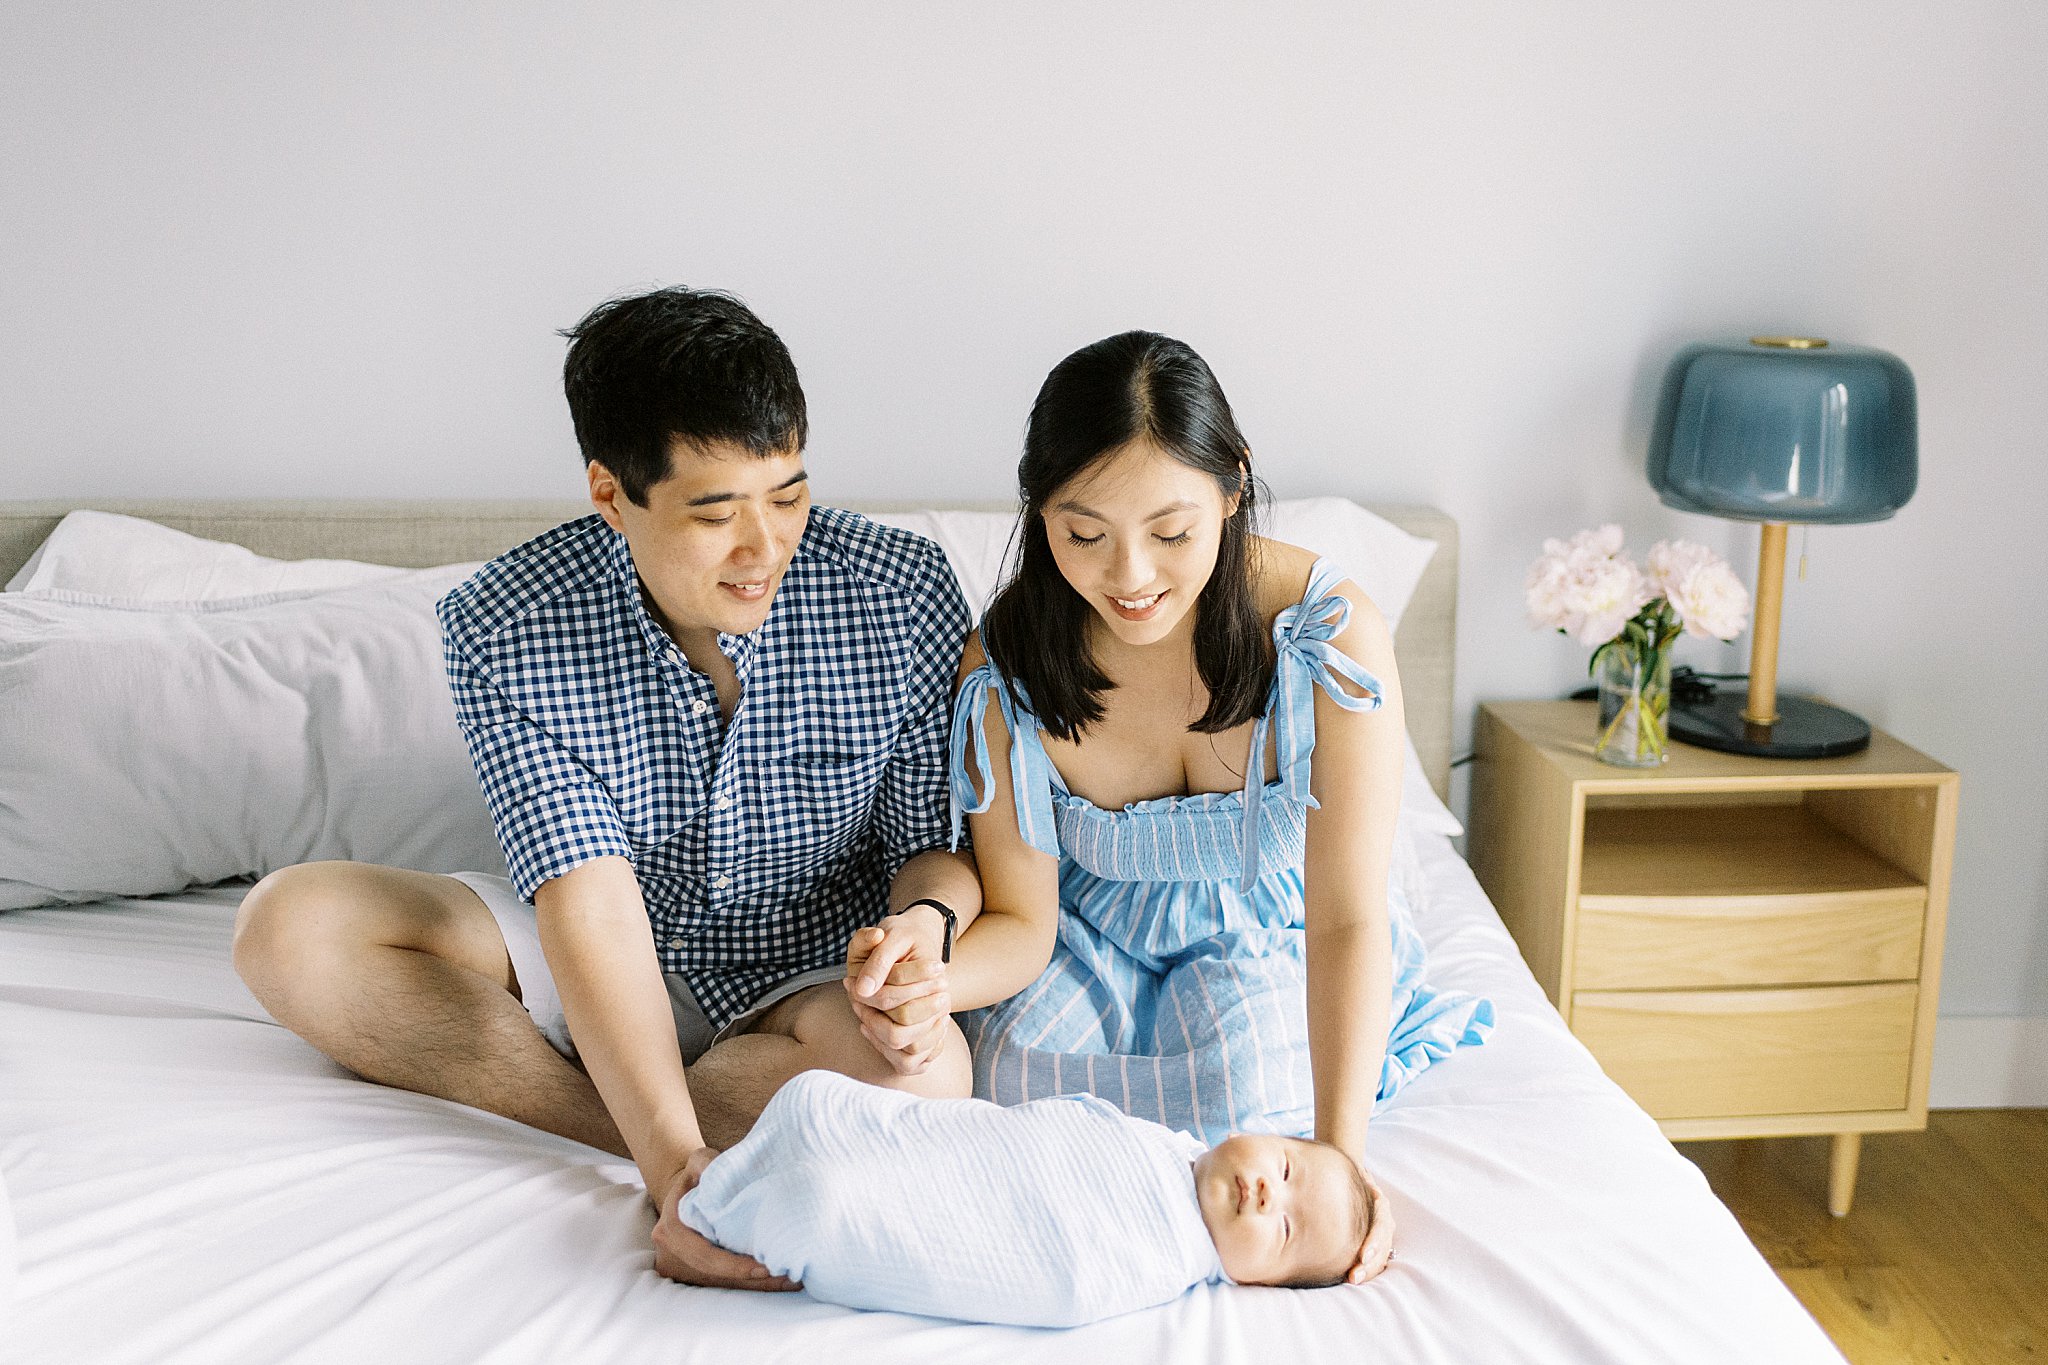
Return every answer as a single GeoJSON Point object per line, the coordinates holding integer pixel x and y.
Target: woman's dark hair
{"type": "Point", "coordinates": [1097, 400]}
{"type": "Point", "coordinates": [691, 365]}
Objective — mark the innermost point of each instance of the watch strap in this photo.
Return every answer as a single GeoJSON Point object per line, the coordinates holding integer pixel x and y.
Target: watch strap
{"type": "Point", "coordinates": [946, 913]}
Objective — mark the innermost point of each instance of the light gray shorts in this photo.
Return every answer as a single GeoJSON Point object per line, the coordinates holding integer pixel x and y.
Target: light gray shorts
{"type": "Point", "coordinates": [537, 991]}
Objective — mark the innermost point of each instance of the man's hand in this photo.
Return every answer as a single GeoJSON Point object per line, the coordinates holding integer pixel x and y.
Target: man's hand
{"type": "Point", "coordinates": [1379, 1238]}
{"type": "Point", "coordinates": [898, 988]}
{"type": "Point", "coordinates": [683, 1253]}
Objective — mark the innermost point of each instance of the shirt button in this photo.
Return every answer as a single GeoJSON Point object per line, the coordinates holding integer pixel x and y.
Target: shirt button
{"type": "Point", "coordinates": [675, 656]}
{"type": "Point", "coordinates": [721, 881]}
{"type": "Point", "coordinates": [699, 706]}
{"type": "Point", "coordinates": [723, 803]}
{"type": "Point", "coordinates": [676, 944]}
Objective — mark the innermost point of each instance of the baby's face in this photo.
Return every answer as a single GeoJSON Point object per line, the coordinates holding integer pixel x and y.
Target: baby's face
{"type": "Point", "coordinates": [1280, 1210]}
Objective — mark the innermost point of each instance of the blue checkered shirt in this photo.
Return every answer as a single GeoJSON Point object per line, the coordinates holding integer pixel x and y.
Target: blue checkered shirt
{"type": "Point", "coordinates": [760, 844]}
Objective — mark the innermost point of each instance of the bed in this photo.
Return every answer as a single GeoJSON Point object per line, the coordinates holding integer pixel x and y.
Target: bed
{"type": "Point", "coordinates": [182, 1180]}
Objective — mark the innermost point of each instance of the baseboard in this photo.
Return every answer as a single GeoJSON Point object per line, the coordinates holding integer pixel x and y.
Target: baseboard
{"type": "Point", "coordinates": [1990, 1062]}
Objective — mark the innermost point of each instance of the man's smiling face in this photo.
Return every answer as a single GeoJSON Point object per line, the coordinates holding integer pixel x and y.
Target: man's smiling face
{"type": "Point", "coordinates": [715, 537]}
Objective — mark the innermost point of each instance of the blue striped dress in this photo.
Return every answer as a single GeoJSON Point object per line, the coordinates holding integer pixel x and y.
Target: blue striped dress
{"type": "Point", "coordinates": [1178, 986]}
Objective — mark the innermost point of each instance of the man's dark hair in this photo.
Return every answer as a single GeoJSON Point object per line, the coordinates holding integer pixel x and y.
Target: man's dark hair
{"type": "Point", "coordinates": [1096, 401]}
{"type": "Point", "coordinates": [689, 365]}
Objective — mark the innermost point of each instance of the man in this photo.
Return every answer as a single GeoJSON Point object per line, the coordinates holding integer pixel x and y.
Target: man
{"type": "Point", "coordinates": [710, 724]}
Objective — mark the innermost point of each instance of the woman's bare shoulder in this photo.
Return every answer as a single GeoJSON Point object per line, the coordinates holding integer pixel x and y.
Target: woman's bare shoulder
{"type": "Point", "coordinates": [1283, 574]}
{"type": "Point", "coordinates": [972, 656]}
{"type": "Point", "coordinates": [1280, 574]}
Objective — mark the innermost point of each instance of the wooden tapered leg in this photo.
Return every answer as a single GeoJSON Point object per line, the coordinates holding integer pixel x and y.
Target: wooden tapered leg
{"type": "Point", "coordinates": [1848, 1149]}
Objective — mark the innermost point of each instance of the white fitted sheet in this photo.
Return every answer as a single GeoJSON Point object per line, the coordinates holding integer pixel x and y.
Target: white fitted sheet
{"type": "Point", "coordinates": [191, 1183]}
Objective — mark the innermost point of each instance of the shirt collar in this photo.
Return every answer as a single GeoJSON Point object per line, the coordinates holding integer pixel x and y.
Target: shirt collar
{"type": "Point", "coordinates": [738, 648]}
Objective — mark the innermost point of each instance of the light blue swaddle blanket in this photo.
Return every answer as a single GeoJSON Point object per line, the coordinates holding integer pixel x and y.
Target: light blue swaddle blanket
{"type": "Point", "coordinates": [1049, 1214]}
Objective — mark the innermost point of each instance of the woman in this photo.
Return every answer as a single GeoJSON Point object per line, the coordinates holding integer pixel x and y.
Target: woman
{"type": "Point", "coordinates": [1204, 942]}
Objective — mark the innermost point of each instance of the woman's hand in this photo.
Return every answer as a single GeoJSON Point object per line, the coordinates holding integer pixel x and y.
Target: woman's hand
{"type": "Point", "coordinates": [1379, 1237]}
{"type": "Point", "coordinates": [898, 987]}
{"type": "Point", "coordinates": [683, 1253]}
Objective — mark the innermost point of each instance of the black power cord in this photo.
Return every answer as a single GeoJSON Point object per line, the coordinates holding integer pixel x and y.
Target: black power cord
{"type": "Point", "coordinates": [1689, 686]}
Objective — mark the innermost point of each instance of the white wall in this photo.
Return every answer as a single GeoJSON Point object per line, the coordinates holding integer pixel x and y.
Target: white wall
{"type": "Point", "coordinates": [1435, 252]}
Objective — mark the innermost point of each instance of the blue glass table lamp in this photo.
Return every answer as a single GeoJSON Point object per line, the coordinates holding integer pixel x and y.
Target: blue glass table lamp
{"type": "Point", "coordinates": [1779, 430]}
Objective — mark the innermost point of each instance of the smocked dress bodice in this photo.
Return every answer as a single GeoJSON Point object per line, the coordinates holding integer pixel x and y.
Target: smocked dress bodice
{"type": "Point", "coordinates": [1208, 836]}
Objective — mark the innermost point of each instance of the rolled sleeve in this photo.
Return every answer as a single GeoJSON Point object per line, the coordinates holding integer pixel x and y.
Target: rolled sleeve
{"type": "Point", "coordinates": [910, 806]}
{"type": "Point", "coordinates": [551, 813]}
{"type": "Point", "coordinates": [553, 832]}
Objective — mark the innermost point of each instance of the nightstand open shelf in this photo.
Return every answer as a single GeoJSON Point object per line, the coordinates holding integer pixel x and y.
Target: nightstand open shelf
{"type": "Point", "coordinates": [1705, 896]}
{"type": "Point", "coordinates": [1681, 850]}
{"type": "Point", "coordinates": [1751, 947]}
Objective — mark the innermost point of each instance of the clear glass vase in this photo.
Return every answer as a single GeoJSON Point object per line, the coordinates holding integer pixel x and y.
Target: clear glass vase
{"type": "Point", "coordinates": [1635, 705]}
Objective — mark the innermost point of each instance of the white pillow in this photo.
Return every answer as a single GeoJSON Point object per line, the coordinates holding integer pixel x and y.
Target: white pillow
{"type": "Point", "coordinates": [105, 554]}
{"type": "Point", "coordinates": [1379, 556]}
{"type": "Point", "coordinates": [151, 748]}
{"type": "Point", "coordinates": [1384, 560]}
{"type": "Point", "coordinates": [976, 545]}
{"type": "Point", "coordinates": [1420, 805]}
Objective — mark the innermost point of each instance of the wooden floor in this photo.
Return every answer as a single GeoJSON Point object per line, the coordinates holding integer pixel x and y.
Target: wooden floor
{"type": "Point", "coordinates": [1944, 1256]}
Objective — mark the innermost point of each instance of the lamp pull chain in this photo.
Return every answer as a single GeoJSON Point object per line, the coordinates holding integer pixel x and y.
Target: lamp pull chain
{"type": "Point", "coordinates": [1804, 532]}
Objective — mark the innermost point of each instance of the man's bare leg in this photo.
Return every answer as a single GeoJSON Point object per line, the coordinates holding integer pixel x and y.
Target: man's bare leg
{"type": "Point", "coordinates": [813, 1030]}
{"type": "Point", "coordinates": [403, 978]}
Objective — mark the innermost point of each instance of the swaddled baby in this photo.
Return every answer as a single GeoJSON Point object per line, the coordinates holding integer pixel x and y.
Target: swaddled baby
{"type": "Point", "coordinates": [1049, 1214]}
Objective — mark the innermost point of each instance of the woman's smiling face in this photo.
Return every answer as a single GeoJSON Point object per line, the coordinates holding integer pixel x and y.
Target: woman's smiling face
{"type": "Point", "coordinates": [1136, 535]}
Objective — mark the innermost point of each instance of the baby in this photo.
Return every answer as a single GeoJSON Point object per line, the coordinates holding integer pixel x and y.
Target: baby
{"type": "Point", "coordinates": [1049, 1214]}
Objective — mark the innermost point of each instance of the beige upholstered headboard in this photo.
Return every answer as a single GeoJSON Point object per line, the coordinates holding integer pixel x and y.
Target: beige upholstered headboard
{"type": "Point", "coordinates": [420, 533]}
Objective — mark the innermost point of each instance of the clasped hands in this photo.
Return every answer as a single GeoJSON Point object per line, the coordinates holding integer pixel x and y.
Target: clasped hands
{"type": "Point", "coordinates": [898, 987]}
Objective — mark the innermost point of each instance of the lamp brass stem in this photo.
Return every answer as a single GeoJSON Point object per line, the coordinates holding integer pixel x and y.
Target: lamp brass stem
{"type": "Point", "coordinates": [1763, 626]}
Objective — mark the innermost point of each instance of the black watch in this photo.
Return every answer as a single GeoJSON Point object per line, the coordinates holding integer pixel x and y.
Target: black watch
{"type": "Point", "coordinates": [952, 922]}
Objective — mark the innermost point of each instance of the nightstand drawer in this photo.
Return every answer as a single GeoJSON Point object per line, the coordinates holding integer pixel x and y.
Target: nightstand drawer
{"type": "Point", "coordinates": [1816, 1049]}
{"type": "Point", "coordinates": [1666, 942]}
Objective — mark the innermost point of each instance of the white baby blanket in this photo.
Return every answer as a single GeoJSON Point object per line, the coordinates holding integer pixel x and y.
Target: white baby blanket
{"type": "Point", "coordinates": [1050, 1214]}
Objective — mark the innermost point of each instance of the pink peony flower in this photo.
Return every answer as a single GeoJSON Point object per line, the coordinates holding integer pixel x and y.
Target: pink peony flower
{"type": "Point", "coordinates": [1586, 587]}
{"type": "Point", "coordinates": [1701, 588]}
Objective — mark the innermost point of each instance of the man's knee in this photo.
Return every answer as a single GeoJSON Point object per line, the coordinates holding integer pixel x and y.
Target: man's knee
{"type": "Point", "coordinates": [822, 1020]}
{"type": "Point", "coordinates": [322, 922]}
{"type": "Point", "coordinates": [291, 923]}
{"type": "Point", "coordinates": [949, 1075]}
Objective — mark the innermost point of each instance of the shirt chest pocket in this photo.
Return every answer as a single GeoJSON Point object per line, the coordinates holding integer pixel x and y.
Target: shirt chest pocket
{"type": "Point", "coordinates": [815, 806]}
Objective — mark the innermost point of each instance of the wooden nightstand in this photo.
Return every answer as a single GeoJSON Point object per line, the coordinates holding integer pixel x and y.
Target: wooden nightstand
{"type": "Point", "coordinates": [1751, 947]}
